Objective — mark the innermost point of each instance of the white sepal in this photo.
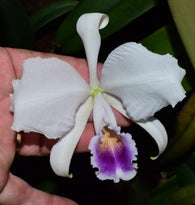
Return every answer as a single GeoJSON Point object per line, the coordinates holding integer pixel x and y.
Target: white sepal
{"type": "Point", "coordinates": [144, 81]}
{"type": "Point", "coordinates": [47, 97]}
{"type": "Point", "coordinates": [102, 114]}
{"type": "Point", "coordinates": [88, 26]}
{"type": "Point", "coordinates": [154, 127]}
{"type": "Point", "coordinates": [62, 151]}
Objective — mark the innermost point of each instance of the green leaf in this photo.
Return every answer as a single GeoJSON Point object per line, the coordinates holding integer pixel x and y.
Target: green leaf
{"type": "Point", "coordinates": [134, 192]}
{"type": "Point", "coordinates": [191, 162]}
{"type": "Point", "coordinates": [185, 174]}
{"type": "Point", "coordinates": [125, 12]}
{"type": "Point", "coordinates": [183, 12]}
{"type": "Point", "coordinates": [183, 196]}
{"type": "Point", "coordinates": [121, 12]}
{"type": "Point", "coordinates": [15, 27]}
{"type": "Point", "coordinates": [159, 41]}
{"type": "Point", "coordinates": [183, 134]}
{"type": "Point", "coordinates": [163, 190]}
{"type": "Point", "coordinates": [67, 30]}
{"type": "Point", "coordinates": [166, 40]}
{"type": "Point", "coordinates": [51, 12]}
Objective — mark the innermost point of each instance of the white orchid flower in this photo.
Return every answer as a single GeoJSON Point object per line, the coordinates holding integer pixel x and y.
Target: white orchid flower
{"type": "Point", "coordinates": [53, 99]}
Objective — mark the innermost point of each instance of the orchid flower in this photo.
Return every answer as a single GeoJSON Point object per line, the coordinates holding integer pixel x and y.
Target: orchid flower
{"type": "Point", "coordinates": [53, 99]}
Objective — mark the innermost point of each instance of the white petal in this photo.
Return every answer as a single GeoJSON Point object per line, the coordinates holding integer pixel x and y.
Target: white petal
{"type": "Point", "coordinates": [47, 97]}
{"type": "Point", "coordinates": [62, 151]}
{"type": "Point", "coordinates": [157, 131]}
{"type": "Point", "coordinates": [144, 81]}
{"type": "Point", "coordinates": [88, 26]}
{"type": "Point", "coordinates": [102, 114]}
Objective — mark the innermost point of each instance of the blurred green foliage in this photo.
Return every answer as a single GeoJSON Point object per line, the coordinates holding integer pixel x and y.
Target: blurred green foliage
{"type": "Point", "coordinates": [150, 22]}
{"type": "Point", "coordinates": [15, 26]}
{"type": "Point", "coordinates": [184, 16]}
{"type": "Point", "coordinates": [182, 133]}
{"type": "Point", "coordinates": [120, 12]}
{"type": "Point", "coordinates": [51, 12]}
{"type": "Point", "coordinates": [178, 189]}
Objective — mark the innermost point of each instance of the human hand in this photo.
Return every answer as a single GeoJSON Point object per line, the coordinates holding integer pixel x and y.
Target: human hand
{"type": "Point", "coordinates": [13, 190]}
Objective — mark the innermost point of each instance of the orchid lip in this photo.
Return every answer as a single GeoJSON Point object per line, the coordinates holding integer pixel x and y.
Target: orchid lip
{"type": "Point", "coordinates": [114, 154]}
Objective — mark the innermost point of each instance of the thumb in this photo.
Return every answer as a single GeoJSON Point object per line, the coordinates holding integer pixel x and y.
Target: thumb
{"type": "Point", "coordinates": [18, 192]}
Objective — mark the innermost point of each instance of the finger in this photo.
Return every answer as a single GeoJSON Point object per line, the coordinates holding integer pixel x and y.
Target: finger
{"type": "Point", "coordinates": [7, 142]}
{"type": "Point", "coordinates": [34, 144]}
{"type": "Point", "coordinates": [7, 136]}
{"type": "Point", "coordinates": [18, 192]}
{"type": "Point", "coordinates": [18, 56]}
{"type": "Point", "coordinates": [6, 74]}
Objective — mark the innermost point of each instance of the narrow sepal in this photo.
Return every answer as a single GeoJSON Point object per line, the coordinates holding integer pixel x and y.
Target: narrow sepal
{"type": "Point", "coordinates": [63, 150]}
{"type": "Point", "coordinates": [155, 128]}
{"type": "Point", "coordinates": [102, 113]}
{"type": "Point", "coordinates": [88, 26]}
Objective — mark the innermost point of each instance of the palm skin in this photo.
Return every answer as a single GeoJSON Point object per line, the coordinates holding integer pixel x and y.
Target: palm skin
{"type": "Point", "coordinates": [13, 190]}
